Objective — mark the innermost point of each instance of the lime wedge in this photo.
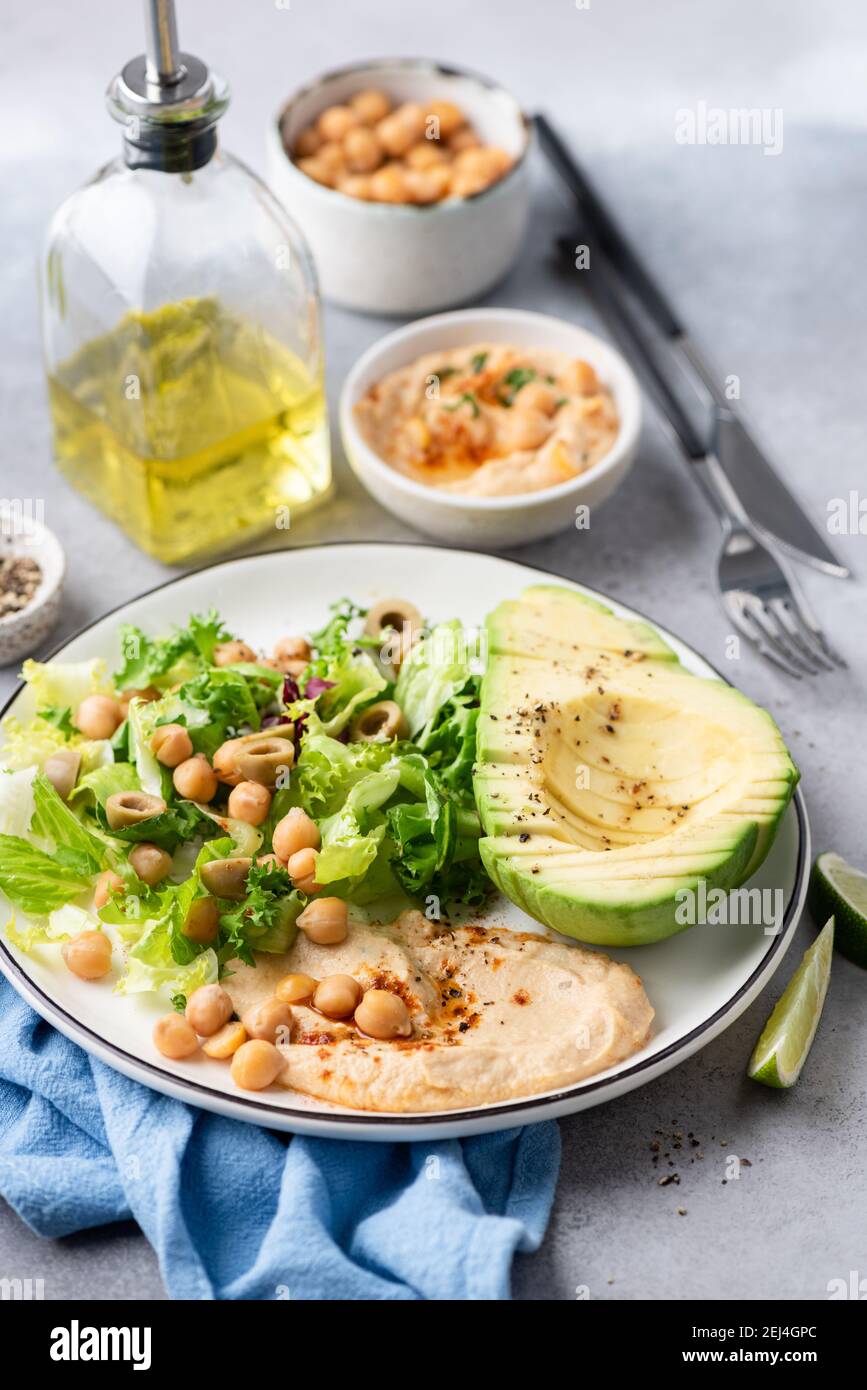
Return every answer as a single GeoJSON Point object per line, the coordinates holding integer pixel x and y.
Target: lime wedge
{"type": "Point", "coordinates": [782, 1049]}
{"type": "Point", "coordinates": [839, 891]}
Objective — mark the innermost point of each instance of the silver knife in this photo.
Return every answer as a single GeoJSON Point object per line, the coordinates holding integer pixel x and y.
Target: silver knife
{"type": "Point", "coordinates": [762, 493]}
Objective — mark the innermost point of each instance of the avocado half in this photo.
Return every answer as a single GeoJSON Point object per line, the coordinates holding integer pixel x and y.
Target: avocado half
{"type": "Point", "coordinates": [609, 778]}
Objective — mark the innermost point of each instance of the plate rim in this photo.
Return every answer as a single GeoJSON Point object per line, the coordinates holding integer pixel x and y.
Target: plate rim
{"type": "Point", "coordinates": [366, 1124]}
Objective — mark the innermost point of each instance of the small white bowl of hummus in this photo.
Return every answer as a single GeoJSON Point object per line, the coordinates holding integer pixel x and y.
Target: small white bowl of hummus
{"type": "Point", "coordinates": [491, 426]}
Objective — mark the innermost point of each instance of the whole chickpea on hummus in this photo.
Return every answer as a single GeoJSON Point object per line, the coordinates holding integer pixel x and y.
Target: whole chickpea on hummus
{"type": "Point", "coordinates": [490, 420]}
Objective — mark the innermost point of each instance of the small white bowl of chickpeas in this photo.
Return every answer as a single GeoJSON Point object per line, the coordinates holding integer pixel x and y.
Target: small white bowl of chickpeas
{"type": "Point", "coordinates": [410, 181]}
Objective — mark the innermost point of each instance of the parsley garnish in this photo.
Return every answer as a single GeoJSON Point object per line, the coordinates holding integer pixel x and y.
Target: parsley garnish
{"type": "Point", "coordinates": [477, 364]}
{"type": "Point", "coordinates": [471, 401]}
{"type": "Point", "coordinates": [515, 380]}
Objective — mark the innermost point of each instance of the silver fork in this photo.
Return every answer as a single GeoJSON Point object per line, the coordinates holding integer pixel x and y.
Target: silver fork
{"type": "Point", "coordinates": [758, 589]}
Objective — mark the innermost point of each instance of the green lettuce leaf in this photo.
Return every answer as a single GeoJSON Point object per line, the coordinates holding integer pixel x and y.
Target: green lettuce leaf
{"type": "Point", "coordinates": [61, 924]}
{"type": "Point", "coordinates": [163, 661]}
{"type": "Point", "coordinates": [55, 822]}
{"type": "Point", "coordinates": [38, 882]}
{"type": "Point", "coordinates": [265, 919]}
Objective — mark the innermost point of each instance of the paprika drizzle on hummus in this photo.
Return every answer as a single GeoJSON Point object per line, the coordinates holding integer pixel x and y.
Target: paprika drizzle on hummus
{"type": "Point", "coordinates": [490, 420]}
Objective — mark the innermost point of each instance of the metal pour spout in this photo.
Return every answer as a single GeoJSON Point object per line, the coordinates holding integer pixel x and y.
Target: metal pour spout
{"type": "Point", "coordinates": [168, 102]}
{"type": "Point", "coordinates": [164, 68]}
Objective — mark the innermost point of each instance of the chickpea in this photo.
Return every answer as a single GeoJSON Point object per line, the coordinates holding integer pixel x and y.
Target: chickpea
{"type": "Point", "coordinates": [427, 154]}
{"type": "Point", "coordinates": [271, 861]}
{"type": "Point", "coordinates": [230, 653]}
{"type": "Point", "coordinates": [294, 989]}
{"type": "Point", "coordinates": [131, 808]}
{"type": "Point", "coordinates": [354, 186]}
{"type": "Point", "coordinates": [449, 118]}
{"type": "Point", "coordinates": [106, 884]}
{"type": "Point", "coordinates": [362, 150]}
{"type": "Point", "coordinates": [388, 185]}
{"type": "Point", "coordinates": [585, 378]}
{"type": "Point", "coordinates": [174, 1037]}
{"type": "Point", "coordinates": [335, 122]}
{"type": "Point", "coordinates": [202, 922]}
{"type": "Point", "coordinates": [62, 770]}
{"type": "Point", "coordinates": [332, 157]}
{"type": "Point", "coordinates": [308, 142]}
{"type": "Point", "coordinates": [316, 168]}
{"type": "Point", "coordinates": [208, 1008]}
{"type": "Point", "coordinates": [266, 1020]}
{"type": "Point", "coordinates": [464, 139]}
{"type": "Point", "coordinates": [402, 129]}
{"type": "Point", "coordinates": [225, 1041]}
{"type": "Point", "coordinates": [226, 878]}
{"type": "Point", "coordinates": [301, 867]}
{"type": "Point", "coordinates": [88, 955]}
{"type": "Point", "coordinates": [150, 863]}
{"type": "Point", "coordinates": [250, 802]}
{"type": "Point", "coordinates": [428, 185]}
{"type": "Point", "coordinates": [524, 429]}
{"type": "Point", "coordinates": [370, 106]}
{"type": "Point", "coordinates": [147, 694]}
{"type": "Point", "coordinates": [195, 779]}
{"type": "Point", "coordinates": [98, 716]}
{"type": "Point", "coordinates": [337, 996]}
{"type": "Point", "coordinates": [291, 649]}
{"type": "Point", "coordinates": [537, 395]}
{"type": "Point", "coordinates": [294, 832]}
{"type": "Point", "coordinates": [475, 169]}
{"type": "Point", "coordinates": [382, 1014]}
{"type": "Point", "coordinates": [325, 921]}
{"type": "Point", "coordinates": [224, 762]}
{"type": "Point", "coordinates": [255, 1065]}
{"type": "Point", "coordinates": [171, 744]}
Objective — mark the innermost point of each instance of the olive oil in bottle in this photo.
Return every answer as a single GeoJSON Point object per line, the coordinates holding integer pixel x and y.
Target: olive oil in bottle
{"type": "Point", "coordinates": [190, 427]}
{"type": "Point", "coordinates": [180, 324]}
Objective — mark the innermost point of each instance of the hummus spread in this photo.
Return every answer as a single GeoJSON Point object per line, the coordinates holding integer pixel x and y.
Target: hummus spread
{"type": "Point", "coordinates": [495, 1015]}
{"type": "Point", "coordinates": [490, 420]}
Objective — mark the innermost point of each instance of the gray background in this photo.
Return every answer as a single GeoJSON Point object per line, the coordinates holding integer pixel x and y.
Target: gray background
{"type": "Point", "coordinates": [763, 256]}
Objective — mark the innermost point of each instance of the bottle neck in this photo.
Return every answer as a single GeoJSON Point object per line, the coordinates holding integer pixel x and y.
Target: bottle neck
{"type": "Point", "coordinates": [169, 148]}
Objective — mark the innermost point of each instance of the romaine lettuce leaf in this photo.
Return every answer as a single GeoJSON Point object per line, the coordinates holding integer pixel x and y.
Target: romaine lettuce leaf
{"type": "Point", "coordinates": [38, 882]}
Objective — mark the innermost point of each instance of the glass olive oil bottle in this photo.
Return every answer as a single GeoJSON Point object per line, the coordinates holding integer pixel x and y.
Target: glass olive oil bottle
{"type": "Point", "coordinates": [181, 326]}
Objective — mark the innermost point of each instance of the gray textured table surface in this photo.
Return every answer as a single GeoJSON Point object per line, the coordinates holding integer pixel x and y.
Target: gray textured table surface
{"type": "Point", "coordinates": [764, 257]}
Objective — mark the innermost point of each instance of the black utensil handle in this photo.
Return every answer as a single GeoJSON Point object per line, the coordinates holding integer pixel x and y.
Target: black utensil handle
{"type": "Point", "coordinates": [607, 232]}
{"type": "Point", "coordinates": [602, 282]}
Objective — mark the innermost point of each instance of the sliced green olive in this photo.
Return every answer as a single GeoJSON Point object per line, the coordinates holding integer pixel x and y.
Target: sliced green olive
{"type": "Point", "coordinates": [131, 808]}
{"type": "Point", "coordinates": [379, 723]}
{"type": "Point", "coordinates": [202, 922]}
{"type": "Point", "coordinates": [226, 878]}
{"type": "Point", "coordinates": [262, 760]}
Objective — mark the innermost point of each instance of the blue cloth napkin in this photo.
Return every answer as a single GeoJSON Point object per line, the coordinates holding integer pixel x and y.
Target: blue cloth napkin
{"type": "Point", "coordinates": [234, 1211]}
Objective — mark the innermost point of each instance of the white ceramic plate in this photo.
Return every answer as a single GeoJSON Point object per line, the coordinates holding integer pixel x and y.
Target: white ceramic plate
{"type": "Point", "coordinates": [698, 982]}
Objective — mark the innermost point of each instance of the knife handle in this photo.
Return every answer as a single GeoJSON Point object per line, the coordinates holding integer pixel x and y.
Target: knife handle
{"type": "Point", "coordinates": [608, 234]}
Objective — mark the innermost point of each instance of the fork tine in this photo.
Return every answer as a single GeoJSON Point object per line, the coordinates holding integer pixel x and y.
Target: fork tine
{"type": "Point", "coordinates": [809, 623]}
{"type": "Point", "coordinates": [776, 635]}
{"type": "Point", "coordinates": [745, 625]}
{"type": "Point", "coordinates": [803, 638]}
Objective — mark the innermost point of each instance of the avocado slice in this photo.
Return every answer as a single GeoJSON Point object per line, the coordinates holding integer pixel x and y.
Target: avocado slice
{"type": "Point", "coordinates": [609, 778]}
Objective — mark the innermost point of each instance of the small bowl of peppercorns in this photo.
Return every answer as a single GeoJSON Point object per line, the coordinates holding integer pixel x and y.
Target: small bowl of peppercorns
{"type": "Point", "coordinates": [32, 568]}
